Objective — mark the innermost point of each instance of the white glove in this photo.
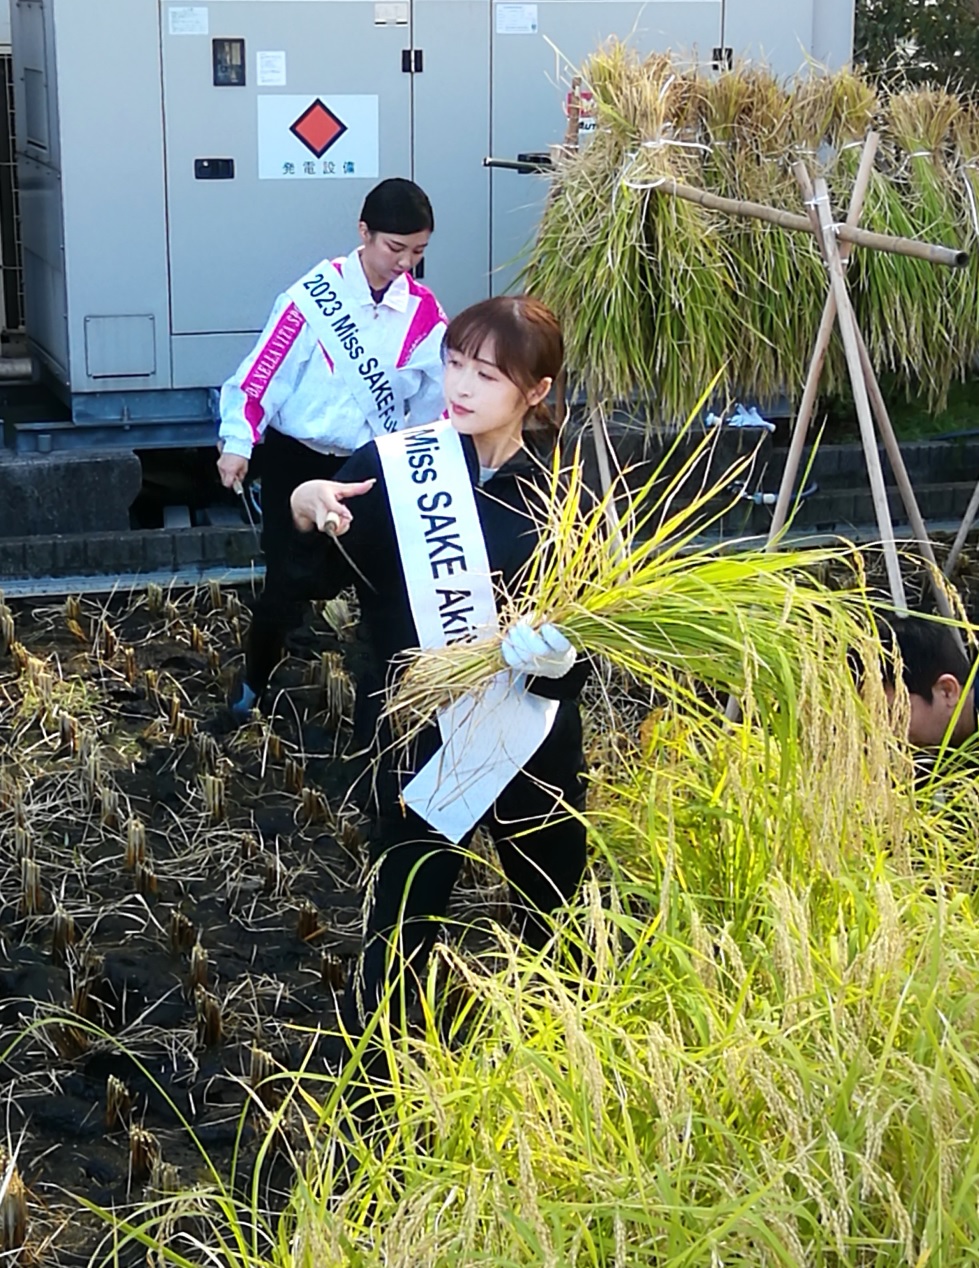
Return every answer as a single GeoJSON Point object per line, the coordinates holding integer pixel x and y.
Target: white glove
{"type": "Point", "coordinates": [544, 653]}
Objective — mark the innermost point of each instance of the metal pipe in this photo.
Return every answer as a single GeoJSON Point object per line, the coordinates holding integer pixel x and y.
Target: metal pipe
{"type": "Point", "coordinates": [16, 367]}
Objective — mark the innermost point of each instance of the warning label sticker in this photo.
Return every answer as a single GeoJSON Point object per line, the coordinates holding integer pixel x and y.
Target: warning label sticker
{"type": "Point", "coordinates": [317, 137]}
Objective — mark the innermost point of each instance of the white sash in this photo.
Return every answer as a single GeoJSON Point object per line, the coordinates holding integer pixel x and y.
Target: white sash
{"type": "Point", "coordinates": [325, 300]}
{"type": "Point", "coordinates": [486, 739]}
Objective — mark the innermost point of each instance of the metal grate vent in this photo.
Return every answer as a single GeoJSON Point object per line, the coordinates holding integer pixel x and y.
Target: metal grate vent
{"type": "Point", "coordinates": [11, 263]}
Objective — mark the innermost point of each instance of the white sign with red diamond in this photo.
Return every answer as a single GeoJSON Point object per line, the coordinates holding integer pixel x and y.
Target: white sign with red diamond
{"type": "Point", "coordinates": [317, 137]}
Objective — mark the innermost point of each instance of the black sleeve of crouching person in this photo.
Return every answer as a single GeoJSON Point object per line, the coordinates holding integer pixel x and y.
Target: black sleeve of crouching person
{"type": "Point", "coordinates": [365, 540]}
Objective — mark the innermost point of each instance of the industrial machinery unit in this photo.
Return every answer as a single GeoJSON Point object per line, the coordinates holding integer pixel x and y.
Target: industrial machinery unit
{"type": "Point", "coordinates": [180, 163]}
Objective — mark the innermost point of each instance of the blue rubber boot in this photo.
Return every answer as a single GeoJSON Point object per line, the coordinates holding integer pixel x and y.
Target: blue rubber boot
{"type": "Point", "coordinates": [241, 703]}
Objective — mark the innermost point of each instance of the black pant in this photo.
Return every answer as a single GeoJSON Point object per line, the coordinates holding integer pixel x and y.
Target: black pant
{"type": "Point", "coordinates": [285, 464]}
{"type": "Point", "coordinates": [542, 852]}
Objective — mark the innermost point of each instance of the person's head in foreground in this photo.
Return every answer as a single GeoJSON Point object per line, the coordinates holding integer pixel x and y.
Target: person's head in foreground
{"type": "Point", "coordinates": [501, 357]}
{"type": "Point", "coordinates": [396, 222]}
{"type": "Point", "coordinates": [935, 671]}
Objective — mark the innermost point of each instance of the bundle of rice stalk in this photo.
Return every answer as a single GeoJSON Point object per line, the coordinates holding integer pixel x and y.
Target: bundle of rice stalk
{"type": "Point", "coordinates": [748, 119]}
{"type": "Point", "coordinates": [660, 605]}
{"type": "Point", "coordinates": [638, 280]}
{"type": "Point", "coordinates": [964, 171]}
{"type": "Point", "coordinates": [939, 336]}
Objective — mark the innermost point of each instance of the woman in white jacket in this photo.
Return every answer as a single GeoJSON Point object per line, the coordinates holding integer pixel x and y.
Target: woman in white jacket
{"type": "Point", "coordinates": [351, 351]}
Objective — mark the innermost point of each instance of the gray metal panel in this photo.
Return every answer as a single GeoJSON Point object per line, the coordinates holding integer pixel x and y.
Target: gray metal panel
{"type": "Point", "coordinates": [120, 346]}
{"type": "Point", "coordinates": [206, 360]}
{"type": "Point", "coordinates": [832, 32]}
{"type": "Point", "coordinates": [774, 32]}
{"type": "Point", "coordinates": [529, 84]}
{"type": "Point", "coordinates": [44, 275]}
{"type": "Point", "coordinates": [35, 81]}
{"type": "Point", "coordinates": [234, 244]}
{"type": "Point", "coordinates": [452, 135]}
{"type": "Point", "coordinates": [108, 63]}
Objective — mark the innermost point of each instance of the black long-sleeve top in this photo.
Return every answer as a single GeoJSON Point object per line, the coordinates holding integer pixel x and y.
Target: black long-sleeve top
{"type": "Point", "coordinates": [508, 518]}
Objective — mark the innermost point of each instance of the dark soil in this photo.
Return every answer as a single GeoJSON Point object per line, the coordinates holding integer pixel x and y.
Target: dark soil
{"type": "Point", "coordinates": [106, 712]}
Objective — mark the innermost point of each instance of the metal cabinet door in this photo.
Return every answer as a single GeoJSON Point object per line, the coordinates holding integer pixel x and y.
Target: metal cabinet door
{"type": "Point", "coordinates": [236, 241]}
{"type": "Point", "coordinates": [451, 116]}
{"type": "Point", "coordinates": [776, 34]}
{"type": "Point", "coordinates": [530, 81]}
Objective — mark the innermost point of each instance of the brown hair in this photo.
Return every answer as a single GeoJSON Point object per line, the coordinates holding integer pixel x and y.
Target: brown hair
{"type": "Point", "coordinates": [526, 339]}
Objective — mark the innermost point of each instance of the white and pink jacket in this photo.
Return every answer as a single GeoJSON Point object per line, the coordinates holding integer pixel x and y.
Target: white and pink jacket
{"type": "Point", "coordinates": [287, 381]}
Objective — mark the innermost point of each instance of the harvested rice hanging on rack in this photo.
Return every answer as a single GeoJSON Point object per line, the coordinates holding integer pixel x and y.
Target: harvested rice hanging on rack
{"type": "Point", "coordinates": [925, 347]}
{"type": "Point", "coordinates": [747, 122]}
{"type": "Point", "coordinates": [965, 172]}
{"type": "Point", "coordinates": [695, 305]}
{"type": "Point", "coordinates": [589, 263]}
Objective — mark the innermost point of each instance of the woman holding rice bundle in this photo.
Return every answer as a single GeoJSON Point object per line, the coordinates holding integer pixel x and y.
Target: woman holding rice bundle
{"type": "Point", "coordinates": [438, 521]}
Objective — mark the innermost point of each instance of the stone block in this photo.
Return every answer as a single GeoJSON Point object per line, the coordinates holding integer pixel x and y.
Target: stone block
{"type": "Point", "coordinates": [12, 557]}
{"type": "Point", "coordinates": [188, 547]}
{"type": "Point", "coordinates": [157, 550]}
{"type": "Point", "coordinates": [114, 553]}
{"type": "Point", "coordinates": [71, 558]}
{"type": "Point", "coordinates": [39, 557]}
{"type": "Point", "coordinates": [70, 492]}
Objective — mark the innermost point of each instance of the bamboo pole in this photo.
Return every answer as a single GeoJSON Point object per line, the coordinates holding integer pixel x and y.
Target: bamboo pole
{"type": "Point", "coordinates": [851, 347]}
{"type": "Point", "coordinates": [929, 251]}
{"type": "Point", "coordinates": [889, 437]}
{"type": "Point", "coordinates": [972, 510]}
{"type": "Point", "coordinates": [810, 393]}
{"type": "Point", "coordinates": [904, 485]}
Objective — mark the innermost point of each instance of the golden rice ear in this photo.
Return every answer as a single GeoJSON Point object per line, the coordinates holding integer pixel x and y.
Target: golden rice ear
{"type": "Point", "coordinates": [215, 598]}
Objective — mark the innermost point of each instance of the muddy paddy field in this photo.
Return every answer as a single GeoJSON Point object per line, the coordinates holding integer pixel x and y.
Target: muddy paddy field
{"type": "Point", "coordinates": [178, 906]}
{"type": "Point", "coordinates": [192, 895]}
